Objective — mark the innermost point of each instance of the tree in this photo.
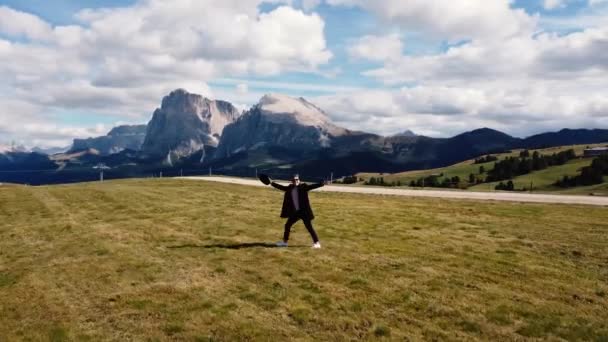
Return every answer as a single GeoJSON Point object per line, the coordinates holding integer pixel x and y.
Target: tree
{"type": "Point", "coordinates": [413, 183]}
{"type": "Point", "coordinates": [482, 170]}
{"type": "Point", "coordinates": [510, 185]}
{"type": "Point", "coordinates": [524, 154]}
{"type": "Point", "coordinates": [472, 178]}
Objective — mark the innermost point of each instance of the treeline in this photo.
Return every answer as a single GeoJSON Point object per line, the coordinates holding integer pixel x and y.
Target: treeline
{"type": "Point", "coordinates": [590, 175]}
{"type": "Point", "coordinates": [486, 159]}
{"type": "Point", "coordinates": [379, 181]}
{"type": "Point", "coordinates": [434, 182]}
{"type": "Point", "coordinates": [508, 186]}
{"type": "Point", "coordinates": [516, 166]}
{"type": "Point", "coordinates": [349, 180]}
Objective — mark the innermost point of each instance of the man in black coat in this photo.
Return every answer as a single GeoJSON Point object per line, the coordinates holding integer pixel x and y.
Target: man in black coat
{"type": "Point", "coordinates": [296, 206]}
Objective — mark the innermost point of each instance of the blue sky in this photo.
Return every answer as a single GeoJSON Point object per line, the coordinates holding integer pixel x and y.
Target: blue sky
{"type": "Point", "coordinates": [436, 67]}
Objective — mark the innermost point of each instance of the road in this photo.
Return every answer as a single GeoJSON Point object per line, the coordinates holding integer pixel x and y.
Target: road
{"type": "Point", "coordinates": [469, 195]}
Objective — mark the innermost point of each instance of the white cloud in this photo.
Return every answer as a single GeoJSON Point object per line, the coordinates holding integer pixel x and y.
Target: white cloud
{"type": "Point", "coordinates": [452, 19]}
{"type": "Point", "coordinates": [553, 4]}
{"type": "Point", "coordinates": [308, 5]}
{"type": "Point", "coordinates": [522, 84]}
{"type": "Point", "coordinates": [545, 56]}
{"type": "Point", "coordinates": [597, 2]}
{"type": "Point", "coordinates": [377, 48]}
{"type": "Point", "coordinates": [242, 88]}
{"type": "Point", "coordinates": [447, 111]}
{"type": "Point", "coordinates": [121, 61]}
{"type": "Point", "coordinates": [16, 23]}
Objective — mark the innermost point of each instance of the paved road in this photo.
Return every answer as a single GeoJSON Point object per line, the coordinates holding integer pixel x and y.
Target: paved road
{"type": "Point", "coordinates": [495, 196]}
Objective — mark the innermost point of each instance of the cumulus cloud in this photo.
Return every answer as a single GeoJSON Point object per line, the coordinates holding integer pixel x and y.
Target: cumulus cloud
{"type": "Point", "coordinates": [523, 83]}
{"type": "Point", "coordinates": [19, 24]}
{"type": "Point", "coordinates": [553, 4]}
{"type": "Point", "coordinates": [377, 48]}
{"type": "Point", "coordinates": [446, 111]}
{"type": "Point", "coordinates": [453, 19]}
{"type": "Point", "coordinates": [597, 2]}
{"type": "Point", "coordinates": [310, 4]}
{"type": "Point", "coordinates": [121, 61]}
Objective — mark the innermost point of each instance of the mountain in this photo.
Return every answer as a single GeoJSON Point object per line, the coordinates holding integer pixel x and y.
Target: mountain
{"type": "Point", "coordinates": [279, 135]}
{"type": "Point", "coordinates": [279, 120]}
{"type": "Point", "coordinates": [406, 133]}
{"type": "Point", "coordinates": [12, 148]}
{"type": "Point", "coordinates": [118, 139]}
{"type": "Point", "coordinates": [51, 150]}
{"type": "Point", "coordinates": [186, 123]}
{"type": "Point", "coordinates": [25, 162]}
{"type": "Point", "coordinates": [473, 144]}
{"type": "Point", "coordinates": [566, 137]}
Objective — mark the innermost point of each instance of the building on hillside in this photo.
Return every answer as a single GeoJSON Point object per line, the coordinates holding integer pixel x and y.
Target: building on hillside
{"type": "Point", "coordinates": [596, 151]}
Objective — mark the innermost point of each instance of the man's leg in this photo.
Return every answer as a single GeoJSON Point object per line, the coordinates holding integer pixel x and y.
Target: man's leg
{"type": "Point", "coordinates": [290, 222]}
{"type": "Point", "coordinates": [311, 230]}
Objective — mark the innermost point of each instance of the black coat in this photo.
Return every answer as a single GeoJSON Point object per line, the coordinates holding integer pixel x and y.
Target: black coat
{"type": "Point", "coordinates": [289, 209]}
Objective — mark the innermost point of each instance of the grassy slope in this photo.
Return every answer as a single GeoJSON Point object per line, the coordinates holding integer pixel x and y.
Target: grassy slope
{"type": "Point", "coordinates": [157, 260]}
{"type": "Point", "coordinates": [542, 180]}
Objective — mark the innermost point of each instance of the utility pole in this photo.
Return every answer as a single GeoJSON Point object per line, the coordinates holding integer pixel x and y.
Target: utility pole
{"type": "Point", "coordinates": [331, 178]}
{"type": "Point", "coordinates": [101, 167]}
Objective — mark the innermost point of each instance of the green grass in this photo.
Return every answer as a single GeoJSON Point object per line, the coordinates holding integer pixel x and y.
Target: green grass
{"type": "Point", "coordinates": [541, 180]}
{"type": "Point", "coordinates": [157, 260]}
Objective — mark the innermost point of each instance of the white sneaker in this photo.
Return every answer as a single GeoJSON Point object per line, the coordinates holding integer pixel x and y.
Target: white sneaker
{"type": "Point", "coordinates": [281, 244]}
{"type": "Point", "coordinates": [316, 245]}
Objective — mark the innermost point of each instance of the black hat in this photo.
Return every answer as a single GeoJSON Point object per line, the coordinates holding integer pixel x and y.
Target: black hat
{"type": "Point", "coordinates": [264, 178]}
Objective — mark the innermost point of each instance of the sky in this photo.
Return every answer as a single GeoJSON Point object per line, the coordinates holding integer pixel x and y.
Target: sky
{"type": "Point", "coordinates": [74, 69]}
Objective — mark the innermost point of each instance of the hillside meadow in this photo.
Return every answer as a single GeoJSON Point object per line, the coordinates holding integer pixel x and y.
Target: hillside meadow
{"type": "Point", "coordinates": [158, 260]}
{"type": "Point", "coordinates": [541, 181]}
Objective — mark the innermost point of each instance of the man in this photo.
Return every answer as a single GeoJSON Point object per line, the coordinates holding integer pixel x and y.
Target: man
{"type": "Point", "coordinates": [296, 206]}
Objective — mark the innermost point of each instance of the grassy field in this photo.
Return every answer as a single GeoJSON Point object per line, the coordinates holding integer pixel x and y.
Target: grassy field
{"type": "Point", "coordinates": [156, 260]}
{"type": "Point", "coordinates": [544, 179]}
{"type": "Point", "coordinates": [541, 180]}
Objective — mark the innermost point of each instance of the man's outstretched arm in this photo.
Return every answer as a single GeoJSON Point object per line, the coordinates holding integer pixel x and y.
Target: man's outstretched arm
{"type": "Point", "coordinates": [279, 186]}
{"type": "Point", "coordinates": [316, 185]}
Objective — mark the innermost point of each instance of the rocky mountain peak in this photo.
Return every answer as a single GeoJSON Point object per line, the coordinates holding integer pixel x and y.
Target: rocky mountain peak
{"type": "Point", "coordinates": [185, 123]}
{"type": "Point", "coordinates": [279, 108]}
{"type": "Point", "coordinates": [283, 121]}
{"type": "Point", "coordinates": [120, 138]}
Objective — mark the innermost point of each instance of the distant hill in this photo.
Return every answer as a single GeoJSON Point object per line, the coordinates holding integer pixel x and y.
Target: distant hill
{"type": "Point", "coordinates": [542, 180]}
{"type": "Point", "coordinates": [566, 137]}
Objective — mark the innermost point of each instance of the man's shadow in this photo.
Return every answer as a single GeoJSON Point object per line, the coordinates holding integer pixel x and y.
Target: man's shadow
{"type": "Point", "coordinates": [234, 246]}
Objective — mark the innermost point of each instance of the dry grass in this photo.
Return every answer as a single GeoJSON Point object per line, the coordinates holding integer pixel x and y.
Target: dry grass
{"type": "Point", "coordinates": [180, 260]}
